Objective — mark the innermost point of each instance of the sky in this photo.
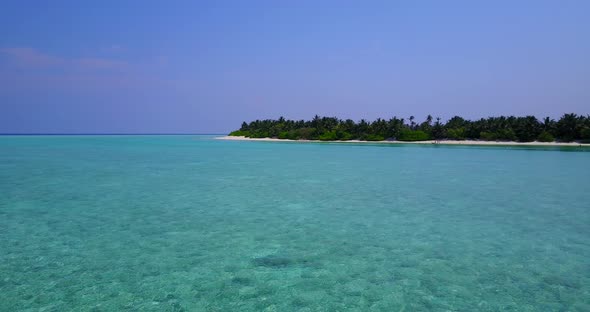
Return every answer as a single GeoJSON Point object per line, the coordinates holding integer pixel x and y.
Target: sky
{"type": "Point", "coordinates": [206, 66]}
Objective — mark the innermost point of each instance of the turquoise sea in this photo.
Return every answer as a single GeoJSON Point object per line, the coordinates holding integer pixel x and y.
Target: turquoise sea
{"type": "Point", "coordinates": [189, 223]}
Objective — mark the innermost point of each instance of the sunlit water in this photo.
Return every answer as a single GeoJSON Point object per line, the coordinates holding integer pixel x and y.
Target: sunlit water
{"type": "Point", "coordinates": [188, 223]}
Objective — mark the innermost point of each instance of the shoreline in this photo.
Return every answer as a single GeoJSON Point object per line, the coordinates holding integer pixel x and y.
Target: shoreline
{"type": "Point", "coordinates": [441, 142]}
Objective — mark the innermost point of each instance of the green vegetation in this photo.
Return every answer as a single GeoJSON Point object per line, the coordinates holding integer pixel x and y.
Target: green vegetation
{"type": "Point", "coordinates": [570, 127]}
{"type": "Point", "coordinates": [545, 137]}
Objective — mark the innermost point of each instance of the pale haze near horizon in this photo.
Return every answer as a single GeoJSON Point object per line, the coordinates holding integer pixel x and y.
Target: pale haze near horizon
{"type": "Point", "coordinates": [107, 67]}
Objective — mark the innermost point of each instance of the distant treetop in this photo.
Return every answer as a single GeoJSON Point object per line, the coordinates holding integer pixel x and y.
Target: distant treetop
{"type": "Point", "coordinates": [570, 127]}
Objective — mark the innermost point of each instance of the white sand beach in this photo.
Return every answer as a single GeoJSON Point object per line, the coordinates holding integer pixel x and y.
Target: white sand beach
{"type": "Point", "coordinates": [443, 142]}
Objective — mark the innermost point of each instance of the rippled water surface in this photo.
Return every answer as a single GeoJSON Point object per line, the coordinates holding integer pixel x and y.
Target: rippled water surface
{"type": "Point", "coordinates": [189, 223]}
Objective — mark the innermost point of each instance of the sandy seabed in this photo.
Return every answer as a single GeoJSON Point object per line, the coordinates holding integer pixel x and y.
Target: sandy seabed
{"type": "Point", "coordinates": [185, 223]}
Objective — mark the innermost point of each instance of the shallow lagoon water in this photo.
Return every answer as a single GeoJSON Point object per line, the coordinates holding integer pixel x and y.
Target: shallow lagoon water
{"type": "Point", "coordinates": [189, 223]}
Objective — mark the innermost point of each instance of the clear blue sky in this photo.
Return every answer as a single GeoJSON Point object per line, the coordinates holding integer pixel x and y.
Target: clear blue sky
{"type": "Point", "coordinates": [205, 66]}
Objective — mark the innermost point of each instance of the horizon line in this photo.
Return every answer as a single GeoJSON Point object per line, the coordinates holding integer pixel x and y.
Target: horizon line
{"type": "Point", "coordinates": [112, 133]}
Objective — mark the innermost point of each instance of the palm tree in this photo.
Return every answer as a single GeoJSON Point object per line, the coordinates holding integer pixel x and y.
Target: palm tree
{"type": "Point", "coordinates": [566, 127]}
{"type": "Point", "coordinates": [244, 126]}
{"type": "Point", "coordinates": [437, 130]}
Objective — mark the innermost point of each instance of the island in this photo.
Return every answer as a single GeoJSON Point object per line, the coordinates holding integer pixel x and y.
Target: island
{"type": "Point", "coordinates": [570, 130]}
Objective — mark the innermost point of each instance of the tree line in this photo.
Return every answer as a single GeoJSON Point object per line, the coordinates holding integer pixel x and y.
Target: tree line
{"type": "Point", "coordinates": [570, 127]}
